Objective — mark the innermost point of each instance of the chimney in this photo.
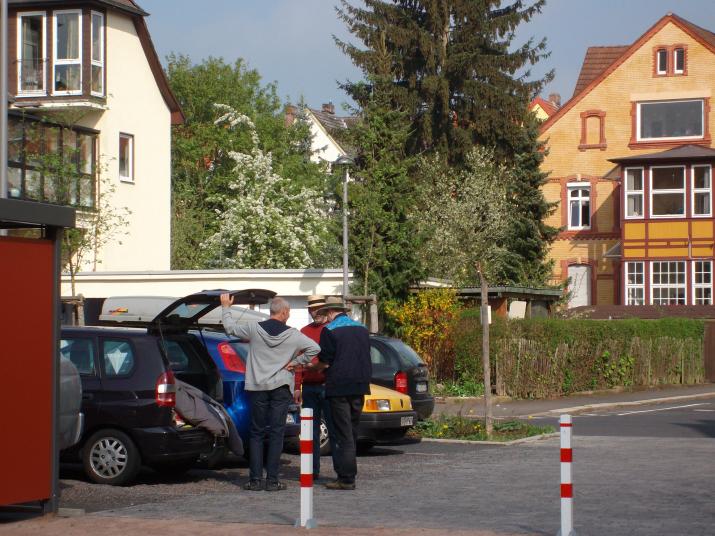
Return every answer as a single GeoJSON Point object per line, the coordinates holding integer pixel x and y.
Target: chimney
{"type": "Point", "coordinates": [329, 108]}
{"type": "Point", "coordinates": [555, 99]}
{"type": "Point", "coordinates": [290, 113]}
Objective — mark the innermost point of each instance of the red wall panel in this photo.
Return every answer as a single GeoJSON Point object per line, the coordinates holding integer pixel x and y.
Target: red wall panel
{"type": "Point", "coordinates": [27, 350]}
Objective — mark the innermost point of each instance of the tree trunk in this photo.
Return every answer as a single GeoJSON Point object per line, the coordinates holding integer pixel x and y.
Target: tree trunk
{"type": "Point", "coordinates": [485, 352]}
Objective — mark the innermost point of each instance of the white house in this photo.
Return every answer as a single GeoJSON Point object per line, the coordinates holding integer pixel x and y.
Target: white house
{"type": "Point", "coordinates": [85, 74]}
{"type": "Point", "coordinates": [324, 127]}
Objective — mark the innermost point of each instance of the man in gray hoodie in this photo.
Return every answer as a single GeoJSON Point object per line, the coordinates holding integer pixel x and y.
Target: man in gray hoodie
{"type": "Point", "coordinates": [274, 351]}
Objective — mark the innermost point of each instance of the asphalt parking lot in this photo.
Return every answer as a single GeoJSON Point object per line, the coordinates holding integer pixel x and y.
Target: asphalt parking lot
{"type": "Point", "coordinates": [629, 485]}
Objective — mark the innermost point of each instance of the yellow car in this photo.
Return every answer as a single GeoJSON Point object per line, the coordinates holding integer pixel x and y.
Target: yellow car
{"type": "Point", "coordinates": [386, 416]}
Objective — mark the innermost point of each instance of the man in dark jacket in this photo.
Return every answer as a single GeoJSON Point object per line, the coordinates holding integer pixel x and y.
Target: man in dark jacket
{"type": "Point", "coordinates": [345, 351]}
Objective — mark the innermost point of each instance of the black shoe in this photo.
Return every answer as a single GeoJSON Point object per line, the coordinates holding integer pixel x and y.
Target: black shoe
{"type": "Point", "coordinates": [275, 486]}
{"type": "Point", "coordinates": [253, 485]}
{"type": "Point", "coordinates": [339, 484]}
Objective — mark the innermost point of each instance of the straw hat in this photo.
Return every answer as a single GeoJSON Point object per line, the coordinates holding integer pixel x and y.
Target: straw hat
{"type": "Point", "coordinates": [316, 300]}
{"type": "Point", "coordinates": [332, 303]}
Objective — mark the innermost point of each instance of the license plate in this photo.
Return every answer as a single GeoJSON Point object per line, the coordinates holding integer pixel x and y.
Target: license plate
{"type": "Point", "coordinates": [421, 387]}
{"type": "Point", "coordinates": [406, 421]}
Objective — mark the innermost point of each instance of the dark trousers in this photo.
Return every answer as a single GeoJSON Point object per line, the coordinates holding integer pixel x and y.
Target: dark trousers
{"type": "Point", "coordinates": [345, 412]}
{"type": "Point", "coordinates": [314, 398]}
{"type": "Point", "coordinates": [269, 410]}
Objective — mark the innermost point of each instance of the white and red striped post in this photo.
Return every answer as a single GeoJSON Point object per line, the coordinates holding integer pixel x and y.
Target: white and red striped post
{"type": "Point", "coordinates": [306, 470]}
{"type": "Point", "coordinates": [566, 426]}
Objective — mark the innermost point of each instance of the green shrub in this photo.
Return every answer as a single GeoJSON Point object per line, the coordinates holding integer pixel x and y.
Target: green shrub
{"type": "Point", "coordinates": [458, 427]}
{"type": "Point", "coordinates": [536, 358]}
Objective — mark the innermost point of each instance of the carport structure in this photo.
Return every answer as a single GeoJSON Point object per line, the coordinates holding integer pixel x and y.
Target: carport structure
{"type": "Point", "coordinates": [30, 257]}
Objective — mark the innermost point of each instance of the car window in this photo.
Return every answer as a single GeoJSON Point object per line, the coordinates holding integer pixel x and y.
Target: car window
{"type": "Point", "coordinates": [407, 355]}
{"type": "Point", "coordinates": [81, 352]}
{"type": "Point", "coordinates": [118, 357]}
{"type": "Point", "coordinates": [382, 360]}
{"type": "Point", "coordinates": [182, 357]}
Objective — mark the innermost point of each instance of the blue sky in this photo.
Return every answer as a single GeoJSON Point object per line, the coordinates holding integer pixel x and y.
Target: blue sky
{"type": "Point", "coordinates": [290, 41]}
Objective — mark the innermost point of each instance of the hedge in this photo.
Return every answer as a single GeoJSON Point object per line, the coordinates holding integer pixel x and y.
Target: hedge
{"type": "Point", "coordinates": [539, 358]}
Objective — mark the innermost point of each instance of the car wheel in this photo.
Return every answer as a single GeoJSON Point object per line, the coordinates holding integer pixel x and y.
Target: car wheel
{"type": "Point", "coordinates": [110, 457]}
{"type": "Point", "coordinates": [324, 438]}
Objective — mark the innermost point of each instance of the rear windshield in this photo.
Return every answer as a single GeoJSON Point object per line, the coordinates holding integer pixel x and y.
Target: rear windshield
{"type": "Point", "coordinates": [407, 354]}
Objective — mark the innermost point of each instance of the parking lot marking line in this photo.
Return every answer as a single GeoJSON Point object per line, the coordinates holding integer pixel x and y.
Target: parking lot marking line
{"type": "Point", "coordinates": [661, 409]}
{"type": "Point", "coordinates": [424, 454]}
{"type": "Point", "coordinates": [704, 410]}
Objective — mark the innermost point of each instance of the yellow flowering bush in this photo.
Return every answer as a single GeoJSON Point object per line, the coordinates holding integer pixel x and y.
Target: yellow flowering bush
{"type": "Point", "coordinates": [426, 321]}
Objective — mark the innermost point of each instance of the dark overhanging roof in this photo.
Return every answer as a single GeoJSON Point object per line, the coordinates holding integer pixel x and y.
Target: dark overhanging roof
{"type": "Point", "coordinates": [20, 213]}
{"type": "Point", "coordinates": [525, 293]}
{"type": "Point", "coordinates": [124, 5]}
{"type": "Point", "coordinates": [684, 152]}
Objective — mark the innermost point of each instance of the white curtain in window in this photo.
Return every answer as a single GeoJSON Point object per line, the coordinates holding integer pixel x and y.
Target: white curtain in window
{"type": "Point", "coordinates": [68, 36]}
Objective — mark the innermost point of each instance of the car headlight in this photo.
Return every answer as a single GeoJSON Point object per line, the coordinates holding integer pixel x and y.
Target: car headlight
{"type": "Point", "coordinates": [377, 404]}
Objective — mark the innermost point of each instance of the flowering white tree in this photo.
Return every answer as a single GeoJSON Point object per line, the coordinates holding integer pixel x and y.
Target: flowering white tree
{"type": "Point", "coordinates": [264, 220]}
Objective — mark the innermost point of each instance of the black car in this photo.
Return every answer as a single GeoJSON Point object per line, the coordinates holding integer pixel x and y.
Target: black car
{"type": "Point", "coordinates": [128, 384]}
{"type": "Point", "coordinates": [397, 366]}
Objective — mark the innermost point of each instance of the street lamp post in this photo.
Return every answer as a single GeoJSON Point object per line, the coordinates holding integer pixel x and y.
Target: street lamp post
{"type": "Point", "coordinates": [345, 162]}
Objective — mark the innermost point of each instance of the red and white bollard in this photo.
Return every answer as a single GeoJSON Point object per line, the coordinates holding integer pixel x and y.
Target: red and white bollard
{"type": "Point", "coordinates": [306, 470]}
{"type": "Point", "coordinates": [566, 426]}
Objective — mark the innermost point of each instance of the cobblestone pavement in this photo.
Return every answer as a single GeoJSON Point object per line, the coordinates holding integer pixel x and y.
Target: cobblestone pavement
{"type": "Point", "coordinates": [623, 486]}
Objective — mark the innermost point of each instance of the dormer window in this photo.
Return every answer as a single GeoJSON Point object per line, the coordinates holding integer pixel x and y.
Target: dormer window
{"type": "Point", "coordinates": [662, 61]}
{"type": "Point", "coordinates": [67, 52]}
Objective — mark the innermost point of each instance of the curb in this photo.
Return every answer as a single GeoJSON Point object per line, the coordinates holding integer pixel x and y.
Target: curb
{"type": "Point", "coordinates": [607, 405]}
{"type": "Point", "coordinates": [530, 439]}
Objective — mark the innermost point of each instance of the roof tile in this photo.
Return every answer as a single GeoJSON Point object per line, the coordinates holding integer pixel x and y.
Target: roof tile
{"type": "Point", "coordinates": [597, 60]}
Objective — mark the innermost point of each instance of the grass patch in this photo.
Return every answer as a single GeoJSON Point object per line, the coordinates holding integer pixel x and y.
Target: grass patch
{"type": "Point", "coordinates": [458, 427]}
{"type": "Point", "coordinates": [461, 387]}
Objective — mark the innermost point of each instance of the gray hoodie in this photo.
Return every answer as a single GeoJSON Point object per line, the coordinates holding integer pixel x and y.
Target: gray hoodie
{"type": "Point", "coordinates": [272, 346]}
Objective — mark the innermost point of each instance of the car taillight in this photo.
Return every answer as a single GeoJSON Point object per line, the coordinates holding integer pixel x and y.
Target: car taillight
{"type": "Point", "coordinates": [166, 390]}
{"type": "Point", "coordinates": [401, 382]}
{"type": "Point", "coordinates": [231, 360]}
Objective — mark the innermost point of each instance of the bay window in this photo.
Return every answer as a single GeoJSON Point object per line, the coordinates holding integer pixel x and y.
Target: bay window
{"type": "Point", "coordinates": [668, 285]}
{"type": "Point", "coordinates": [702, 282]}
{"type": "Point", "coordinates": [67, 55]}
{"type": "Point", "coordinates": [579, 202]}
{"type": "Point", "coordinates": [670, 119]}
{"type": "Point", "coordinates": [702, 190]}
{"type": "Point", "coordinates": [635, 283]}
{"type": "Point", "coordinates": [634, 192]}
{"type": "Point", "coordinates": [667, 196]}
{"type": "Point", "coordinates": [31, 47]}
{"type": "Point", "coordinates": [97, 47]}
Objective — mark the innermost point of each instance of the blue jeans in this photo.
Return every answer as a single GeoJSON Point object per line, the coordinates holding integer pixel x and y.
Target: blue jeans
{"type": "Point", "coordinates": [314, 398]}
{"type": "Point", "coordinates": [269, 410]}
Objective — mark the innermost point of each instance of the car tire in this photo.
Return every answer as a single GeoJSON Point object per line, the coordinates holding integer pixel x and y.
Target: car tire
{"type": "Point", "coordinates": [111, 457]}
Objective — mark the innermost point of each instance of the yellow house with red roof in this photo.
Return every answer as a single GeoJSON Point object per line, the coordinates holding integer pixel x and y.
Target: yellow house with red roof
{"type": "Point", "coordinates": [630, 160]}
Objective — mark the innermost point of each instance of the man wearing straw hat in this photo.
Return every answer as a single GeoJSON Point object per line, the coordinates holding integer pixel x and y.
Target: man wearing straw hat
{"type": "Point", "coordinates": [310, 382]}
{"type": "Point", "coordinates": [345, 353]}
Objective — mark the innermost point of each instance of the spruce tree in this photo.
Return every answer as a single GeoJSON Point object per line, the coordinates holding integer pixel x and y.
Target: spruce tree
{"type": "Point", "coordinates": [384, 242]}
{"type": "Point", "coordinates": [453, 68]}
